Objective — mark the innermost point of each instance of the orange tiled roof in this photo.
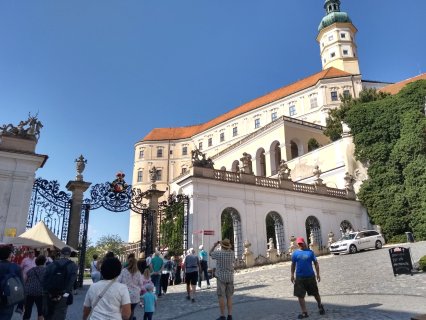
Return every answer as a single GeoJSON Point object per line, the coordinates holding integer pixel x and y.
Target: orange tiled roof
{"type": "Point", "coordinates": [187, 132]}
{"type": "Point", "coordinates": [396, 87]}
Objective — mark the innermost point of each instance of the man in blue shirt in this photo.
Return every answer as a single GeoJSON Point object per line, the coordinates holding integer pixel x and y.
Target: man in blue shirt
{"type": "Point", "coordinates": [203, 256]}
{"type": "Point", "coordinates": [301, 262]}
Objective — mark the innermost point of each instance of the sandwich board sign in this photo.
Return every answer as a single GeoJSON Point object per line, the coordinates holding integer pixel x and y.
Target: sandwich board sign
{"type": "Point", "coordinates": [401, 260]}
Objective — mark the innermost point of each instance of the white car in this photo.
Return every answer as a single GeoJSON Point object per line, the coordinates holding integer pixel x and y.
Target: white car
{"type": "Point", "coordinates": [356, 241]}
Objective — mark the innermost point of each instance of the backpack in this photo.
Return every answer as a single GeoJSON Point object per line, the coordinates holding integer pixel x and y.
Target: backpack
{"type": "Point", "coordinates": [11, 288]}
{"type": "Point", "coordinates": [168, 266]}
{"type": "Point", "coordinates": [56, 283]}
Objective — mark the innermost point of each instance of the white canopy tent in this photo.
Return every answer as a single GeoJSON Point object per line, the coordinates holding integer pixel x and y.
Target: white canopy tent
{"type": "Point", "coordinates": [39, 236]}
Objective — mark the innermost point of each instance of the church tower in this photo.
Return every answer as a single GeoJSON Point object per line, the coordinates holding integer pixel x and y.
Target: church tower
{"type": "Point", "coordinates": [336, 37]}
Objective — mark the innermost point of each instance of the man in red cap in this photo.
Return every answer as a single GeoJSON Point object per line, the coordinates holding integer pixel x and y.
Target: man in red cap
{"type": "Point", "coordinates": [305, 282]}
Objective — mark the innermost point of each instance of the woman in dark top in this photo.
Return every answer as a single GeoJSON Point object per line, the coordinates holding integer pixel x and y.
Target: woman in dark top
{"type": "Point", "coordinates": [33, 288]}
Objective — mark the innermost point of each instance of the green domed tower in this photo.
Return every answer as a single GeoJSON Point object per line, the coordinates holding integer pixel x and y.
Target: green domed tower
{"type": "Point", "coordinates": [336, 37]}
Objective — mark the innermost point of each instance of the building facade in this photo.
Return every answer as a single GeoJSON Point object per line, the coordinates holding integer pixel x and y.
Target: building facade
{"type": "Point", "coordinates": [281, 125]}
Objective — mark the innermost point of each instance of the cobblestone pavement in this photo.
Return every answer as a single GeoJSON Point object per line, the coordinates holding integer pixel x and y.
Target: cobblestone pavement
{"type": "Point", "coordinates": [359, 286]}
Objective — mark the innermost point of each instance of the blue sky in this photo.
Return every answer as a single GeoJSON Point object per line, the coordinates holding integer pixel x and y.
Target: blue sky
{"type": "Point", "coordinates": [102, 74]}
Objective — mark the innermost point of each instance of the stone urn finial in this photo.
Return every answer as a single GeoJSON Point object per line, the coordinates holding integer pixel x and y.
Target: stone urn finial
{"type": "Point", "coordinates": [80, 166]}
{"type": "Point", "coordinates": [349, 182]}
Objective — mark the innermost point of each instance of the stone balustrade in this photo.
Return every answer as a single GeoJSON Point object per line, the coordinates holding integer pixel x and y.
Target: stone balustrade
{"type": "Point", "coordinates": [238, 177]}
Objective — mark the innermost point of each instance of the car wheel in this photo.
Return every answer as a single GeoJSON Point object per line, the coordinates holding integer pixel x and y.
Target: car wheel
{"type": "Point", "coordinates": [378, 244]}
{"type": "Point", "coordinates": [352, 249]}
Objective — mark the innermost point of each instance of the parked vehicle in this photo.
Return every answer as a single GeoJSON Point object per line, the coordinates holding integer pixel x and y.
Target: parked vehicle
{"type": "Point", "coordinates": [356, 241]}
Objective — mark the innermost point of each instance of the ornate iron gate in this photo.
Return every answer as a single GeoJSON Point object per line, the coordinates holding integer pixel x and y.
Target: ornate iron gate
{"type": "Point", "coordinates": [50, 205]}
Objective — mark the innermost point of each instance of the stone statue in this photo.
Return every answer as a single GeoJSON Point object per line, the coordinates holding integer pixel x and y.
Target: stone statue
{"type": "Point", "coordinates": [199, 160]}
{"type": "Point", "coordinates": [153, 177]}
{"type": "Point", "coordinates": [330, 239]}
{"type": "Point", "coordinates": [248, 254]}
{"type": "Point", "coordinates": [349, 182]}
{"type": "Point", "coordinates": [317, 173]}
{"type": "Point", "coordinates": [272, 253]}
{"type": "Point", "coordinates": [247, 167]}
{"type": "Point", "coordinates": [29, 129]}
{"type": "Point", "coordinates": [313, 245]}
{"type": "Point", "coordinates": [284, 171]}
{"type": "Point", "coordinates": [80, 166]}
{"type": "Point", "coordinates": [293, 247]}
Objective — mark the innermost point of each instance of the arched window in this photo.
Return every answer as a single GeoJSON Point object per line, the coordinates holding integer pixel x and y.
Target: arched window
{"type": "Point", "coordinates": [223, 168]}
{"type": "Point", "coordinates": [313, 227]}
{"type": "Point", "coordinates": [275, 230]}
{"type": "Point", "coordinates": [345, 227]}
{"type": "Point", "coordinates": [294, 150]}
{"type": "Point", "coordinates": [232, 230]}
{"type": "Point", "coordinates": [275, 153]}
{"type": "Point", "coordinates": [260, 162]}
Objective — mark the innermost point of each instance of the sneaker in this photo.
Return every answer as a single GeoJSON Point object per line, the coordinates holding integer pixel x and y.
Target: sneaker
{"type": "Point", "coordinates": [198, 288]}
{"type": "Point", "coordinates": [321, 310]}
{"type": "Point", "coordinates": [229, 317]}
{"type": "Point", "coordinates": [303, 315]}
{"type": "Point", "coordinates": [193, 300]}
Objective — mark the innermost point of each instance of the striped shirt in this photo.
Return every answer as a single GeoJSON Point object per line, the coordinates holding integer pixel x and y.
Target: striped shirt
{"type": "Point", "coordinates": [224, 264]}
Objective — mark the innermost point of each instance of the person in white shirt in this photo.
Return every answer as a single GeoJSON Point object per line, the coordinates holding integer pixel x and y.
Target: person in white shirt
{"type": "Point", "coordinates": [107, 298]}
{"type": "Point", "coordinates": [94, 272]}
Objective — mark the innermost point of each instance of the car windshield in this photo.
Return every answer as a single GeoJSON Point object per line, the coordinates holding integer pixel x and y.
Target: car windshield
{"type": "Point", "coordinates": [349, 236]}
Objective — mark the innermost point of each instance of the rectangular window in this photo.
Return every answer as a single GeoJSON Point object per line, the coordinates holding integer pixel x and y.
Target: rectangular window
{"type": "Point", "coordinates": [210, 142]}
{"type": "Point", "coordinates": [141, 153]}
{"type": "Point", "coordinates": [159, 175]}
{"type": "Point", "coordinates": [330, 38]}
{"type": "Point", "coordinates": [183, 170]}
{"type": "Point", "coordinates": [343, 35]}
{"type": "Point", "coordinates": [256, 123]}
{"type": "Point", "coordinates": [346, 93]}
{"type": "Point", "coordinates": [345, 52]}
{"type": "Point", "coordinates": [171, 152]}
{"type": "Point", "coordinates": [184, 151]}
{"type": "Point", "coordinates": [292, 110]}
{"type": "Point", "coordinates": [334, 96]}
{"type": "Point", "coordinates": [159, 153]}
{"type": "Point", "coordinates": [273, 116]}
{"type": "Point", "coordinates": [333, 54]}
{"type": "Point", "coordinates": [314, 102]}
{"type": "Point", "coordinates": [200, 146]}
{"type": "Point", "coordinates": [140, 175]}
{"type": "Point", "coordinates": [222, 136]}
{"type": "Point", "coordinates": [235, 131]}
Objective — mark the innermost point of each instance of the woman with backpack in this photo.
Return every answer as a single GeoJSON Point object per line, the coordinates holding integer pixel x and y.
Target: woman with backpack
{"type": "Point", "coordinates": [34, 289]}
{"type": "Point", "coordinates": [132, 278]}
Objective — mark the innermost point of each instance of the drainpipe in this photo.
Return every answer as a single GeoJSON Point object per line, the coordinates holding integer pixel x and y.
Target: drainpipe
{"type": "Point", "coordinates": [168, 169]}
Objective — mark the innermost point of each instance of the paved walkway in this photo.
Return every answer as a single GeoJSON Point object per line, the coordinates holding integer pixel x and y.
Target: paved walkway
{"type": "Point", "coordinates": [359, 286]}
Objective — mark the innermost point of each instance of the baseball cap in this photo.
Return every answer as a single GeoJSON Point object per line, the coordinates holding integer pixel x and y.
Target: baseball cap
{"type": "Point", "coordinates": [300, 240]}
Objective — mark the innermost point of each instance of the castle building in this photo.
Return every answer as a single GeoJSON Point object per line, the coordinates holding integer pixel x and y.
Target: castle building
{"type": "Point", "coordinates": [285, 124]}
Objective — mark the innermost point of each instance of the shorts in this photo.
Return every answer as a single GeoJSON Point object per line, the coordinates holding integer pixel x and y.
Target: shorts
{"type": "Point", "coordinates": [191, 278]}
{"type": "Point", "coordinates": [225, 289]}
{"type": "Point", "coordinates": [305, 285]}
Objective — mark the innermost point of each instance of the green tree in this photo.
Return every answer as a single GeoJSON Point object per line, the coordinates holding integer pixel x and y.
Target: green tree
{"type": "Point", "coordinates": [389, 134]}
{"type": "Point", "coordinates": [172, 227]}
{"type": "Point", "coordinates": [313, 144]}
{"type": "Point", "coordinates": [335, 117]}
{"type": "Point", "coordinates": [110, 242]}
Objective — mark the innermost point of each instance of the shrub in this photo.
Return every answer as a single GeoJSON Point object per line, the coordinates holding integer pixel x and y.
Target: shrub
{"type": "Point", "coordinates": [422, 263]}
{"type": "Point", "coordinates": [399, 238]}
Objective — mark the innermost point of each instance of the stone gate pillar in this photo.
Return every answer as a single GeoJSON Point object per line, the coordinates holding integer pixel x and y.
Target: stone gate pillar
{"type": "Point", "coordinates": [77, 188]}
{"type": "Point", "coordinates": [152, 195]}
{"type": "Point", "coordinates": [18, 164]}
